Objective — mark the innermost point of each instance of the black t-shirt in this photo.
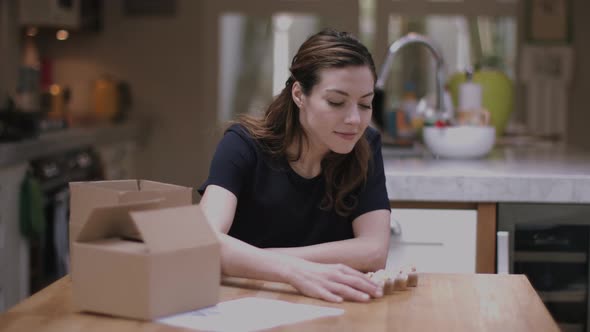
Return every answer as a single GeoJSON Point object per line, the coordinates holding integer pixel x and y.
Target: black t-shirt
{"type": "Point", "coordinates": [279, 208]}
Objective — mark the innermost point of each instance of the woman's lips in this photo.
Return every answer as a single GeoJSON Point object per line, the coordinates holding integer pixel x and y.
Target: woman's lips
{"type": "Point", "coordinates": [346, 136]}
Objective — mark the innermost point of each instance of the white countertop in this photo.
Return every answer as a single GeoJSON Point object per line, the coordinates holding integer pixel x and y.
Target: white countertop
{"type": "Point", "coordinates": [542, 173]}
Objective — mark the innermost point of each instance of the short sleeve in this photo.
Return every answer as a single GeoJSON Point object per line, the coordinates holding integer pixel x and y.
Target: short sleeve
{"type": "Point", "coordinates": [373, 196]}
{"type": "Point", "coordinates": [233, 161]}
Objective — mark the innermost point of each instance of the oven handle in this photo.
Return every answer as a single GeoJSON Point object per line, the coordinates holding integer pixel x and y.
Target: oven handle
{"type": "Point", "coordinates": [502, 252]}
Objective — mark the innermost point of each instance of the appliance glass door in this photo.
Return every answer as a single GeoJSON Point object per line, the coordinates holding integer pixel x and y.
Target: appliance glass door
{"type": "Point", "coordinates": [554, 257]}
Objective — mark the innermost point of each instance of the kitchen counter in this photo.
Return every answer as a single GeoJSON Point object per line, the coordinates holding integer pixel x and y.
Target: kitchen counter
{"type": "Point", "coordinates": [535, 172]}
{"type": "Point", "coordinates": [441, 302]}
{"type": "Point", "coordinates": [542, 173]}
{"type": "Point", "coordinates": [64, 140]}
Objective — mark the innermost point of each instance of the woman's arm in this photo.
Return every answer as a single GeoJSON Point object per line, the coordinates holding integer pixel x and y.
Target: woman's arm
{"type": "Point", "coordinates": [331, 282]}
{"type": "Point", "coordinates": [367, 251]}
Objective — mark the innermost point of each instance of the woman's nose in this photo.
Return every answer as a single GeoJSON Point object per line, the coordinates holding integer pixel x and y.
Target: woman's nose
{"type": "Point", "coordinates": [353, 117]}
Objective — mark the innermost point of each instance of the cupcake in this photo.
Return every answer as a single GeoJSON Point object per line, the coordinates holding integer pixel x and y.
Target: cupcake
{"type": "Point", "coordinates": [412, 277]}
{"type": "Point", "coordinates": [389, 286]}
{"type": "Point", "coordinates": [384, 278]}
{"type": "Point", "coordinates": [401, 281]}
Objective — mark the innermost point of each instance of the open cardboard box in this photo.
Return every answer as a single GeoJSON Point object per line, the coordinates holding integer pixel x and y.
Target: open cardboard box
{"type": "Point", "coordinates": [138, 261]}
{"type": "Point", "coordinates": [85, 196]}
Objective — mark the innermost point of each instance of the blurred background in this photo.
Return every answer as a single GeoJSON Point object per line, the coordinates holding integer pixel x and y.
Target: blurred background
{"type": "Point", "coordinates": [183, 68]}
{"type": "Point", "coordinates": [120, 89]}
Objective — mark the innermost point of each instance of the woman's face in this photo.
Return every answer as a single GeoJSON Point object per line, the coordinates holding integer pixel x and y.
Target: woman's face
{"type": "Point", "coordinates": [338, 110]}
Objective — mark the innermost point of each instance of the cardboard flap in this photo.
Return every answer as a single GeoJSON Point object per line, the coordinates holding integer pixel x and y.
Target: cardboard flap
{"type": "Point", "coordinates": [140, 196]}
{"type": "Point", "coordinates": [114, 221]}
{"type": "Point", "coordinates": [174, 228]}
{"type": "Point", "coordinates": [174, 195]}
{"type": "Point", "coordinates": [158, 186]}
{"type": "Point", "coordinates": [118, 185]}
{"type": "Point", "coordinates": [84, 197]}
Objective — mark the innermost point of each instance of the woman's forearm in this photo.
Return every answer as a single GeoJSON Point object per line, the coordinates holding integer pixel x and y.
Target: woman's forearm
{"type": "Point", "coordinates": [363, 254]}
{"type": "Point", "coordinates": [240, 259]}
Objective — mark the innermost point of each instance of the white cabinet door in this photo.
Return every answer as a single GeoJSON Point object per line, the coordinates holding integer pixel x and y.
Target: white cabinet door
{"type": "Point", "coordinates": [433, 240]}
{"type": "Point", "coordinates": [14, 255]}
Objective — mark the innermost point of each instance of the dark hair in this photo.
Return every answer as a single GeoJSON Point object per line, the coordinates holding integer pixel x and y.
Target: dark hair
{"type": "Point", "coordinates": [280, 125]}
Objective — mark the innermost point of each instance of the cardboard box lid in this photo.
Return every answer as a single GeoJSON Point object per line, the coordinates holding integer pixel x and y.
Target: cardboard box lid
{"type": "Point", "coordinates": [127, 191]}
{"type": "Point", "coordinates": [174, 228]}
{"type": "Point", "coordinates": [134, 185]}
{"type": "Point", "coordinates": [118, 185]}
{"type": "Point", "coordinates": [160, 229]}
{"type": "Point", "coordinates": [159, 186]}
{"type": "Point", "coordinates": [114, 221]}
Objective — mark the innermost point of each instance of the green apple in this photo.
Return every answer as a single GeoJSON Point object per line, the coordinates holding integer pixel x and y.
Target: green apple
{"type": "Point", "coordinates": [497, 94]}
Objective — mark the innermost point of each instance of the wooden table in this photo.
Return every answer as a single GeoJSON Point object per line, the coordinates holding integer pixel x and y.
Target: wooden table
{"type": "Point", "coordinates": [441, 302]}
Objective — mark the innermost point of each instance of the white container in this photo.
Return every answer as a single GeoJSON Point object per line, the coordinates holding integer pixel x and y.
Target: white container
{"type": "Point", "coordinates": [469, 96]}
{"type": "Point", "coordinates": [460, 142]}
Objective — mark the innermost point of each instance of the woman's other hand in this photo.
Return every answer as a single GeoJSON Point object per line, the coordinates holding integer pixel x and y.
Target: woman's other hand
{"type": "Point", "coordinates": [330, 282]}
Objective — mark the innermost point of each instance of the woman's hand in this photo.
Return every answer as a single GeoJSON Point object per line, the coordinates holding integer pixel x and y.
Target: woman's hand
{"type": "Point", "coordinates": [330, 282]}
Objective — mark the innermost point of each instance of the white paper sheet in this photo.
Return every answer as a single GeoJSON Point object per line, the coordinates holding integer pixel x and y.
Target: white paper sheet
{"type": "Point", "coordinates": [248, 314]}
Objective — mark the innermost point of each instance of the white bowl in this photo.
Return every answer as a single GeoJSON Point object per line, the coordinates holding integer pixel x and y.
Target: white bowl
{"type": "Point", "coordinates": [460, 142]}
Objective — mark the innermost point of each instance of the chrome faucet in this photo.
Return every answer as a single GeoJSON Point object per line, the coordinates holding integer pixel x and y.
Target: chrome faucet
{"type": "Point", "coordinates": [414, 38]}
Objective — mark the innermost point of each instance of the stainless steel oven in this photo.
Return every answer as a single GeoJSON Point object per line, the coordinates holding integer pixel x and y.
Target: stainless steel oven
{"type": "Point", "coordinates": [549, 243]}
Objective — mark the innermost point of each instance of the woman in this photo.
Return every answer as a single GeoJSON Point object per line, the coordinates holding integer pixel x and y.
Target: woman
{"type": "Point", "coordinates": [299, 195]}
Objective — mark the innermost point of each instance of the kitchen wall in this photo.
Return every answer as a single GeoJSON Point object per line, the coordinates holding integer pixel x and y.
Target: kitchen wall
{"type": "Point", "coordinates": [8, 48]}
{"type": "Point", "coordinates": [161, 58]}
{"type": "Point", "coordinates": [579, 113]}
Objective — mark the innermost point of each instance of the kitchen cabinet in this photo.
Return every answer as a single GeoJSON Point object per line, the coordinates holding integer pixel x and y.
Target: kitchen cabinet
{"type": "Point", "coordinates": [542, 173]}
{"type": "Point", "coordinates": [14, 255]}
{"type": "Point", "coordinates": [475, 220]}
{"type": "Point", "coordinates": [73, 14]}
{"type": "Point", "coordinates": [434, 240]}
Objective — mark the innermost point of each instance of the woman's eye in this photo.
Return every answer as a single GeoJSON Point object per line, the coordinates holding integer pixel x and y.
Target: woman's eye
{"type": "Point", "coordinates": [366, 107]}
{"type": "Point", "coordinates": [335, 104]}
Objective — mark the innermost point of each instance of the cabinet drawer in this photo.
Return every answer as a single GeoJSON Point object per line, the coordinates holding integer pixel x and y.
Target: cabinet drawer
{"type": "Point", "coordinates": [3, 241]}
{"type": "Point", "coordinates": [10, 185]}
{"type": "Point", "coordinates": [14, 276]}
{"type": "Point", "coordinates": [3, 230]}
{"type": "Point", "coordinates": [2, 299]}
{"type": "Point", "coordinates": [6, 288]}
{"type": "Point", "coordinates": [4, 206]}
{"type": "Point", "coordinates": [433, 240]}
{"type": "Point", "coordinates": [9, 288]}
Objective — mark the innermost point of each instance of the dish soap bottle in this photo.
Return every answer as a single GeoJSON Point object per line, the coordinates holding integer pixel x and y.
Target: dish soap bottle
{"type": "Point", "coordinates": [470, 110]}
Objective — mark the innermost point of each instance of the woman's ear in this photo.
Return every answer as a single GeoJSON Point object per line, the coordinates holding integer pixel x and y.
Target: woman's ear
{"type": "Point", "coordinates": [297, 94]}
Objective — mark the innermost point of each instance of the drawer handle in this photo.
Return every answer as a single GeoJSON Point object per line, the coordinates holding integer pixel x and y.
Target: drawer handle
{"type": "Point", "coordinates": [2, 233]}
{"type": "Point", "coordinates": [2, 301]}
{"type": "Point", "coordinates": [419, 243]}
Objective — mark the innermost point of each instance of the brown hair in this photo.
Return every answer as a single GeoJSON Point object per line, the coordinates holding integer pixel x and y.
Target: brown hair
{"type": "Point", "coordinates": [280, 126]}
